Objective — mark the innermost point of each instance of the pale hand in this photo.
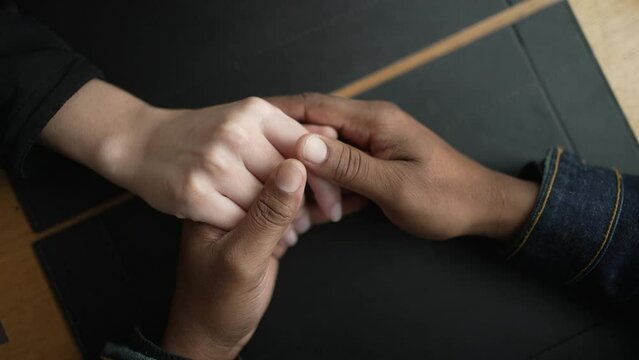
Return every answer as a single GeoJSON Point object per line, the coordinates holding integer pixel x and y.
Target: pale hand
{"type": "Point", "coordinates": [205, 164]}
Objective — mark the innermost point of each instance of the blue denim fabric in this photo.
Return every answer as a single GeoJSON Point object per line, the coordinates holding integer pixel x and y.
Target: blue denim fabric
{"type": "Point", "coordinates": [584, 228]}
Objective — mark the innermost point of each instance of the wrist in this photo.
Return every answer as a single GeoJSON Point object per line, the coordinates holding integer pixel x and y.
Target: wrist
{"type": "Point", "coordinates": [101, 126]}
{"type": "Point", "coordinates": [120, 151]}
{"type": "Point", "coordinates": [195, 342]}
{"type": "Point", "coordinates": [506, 206]}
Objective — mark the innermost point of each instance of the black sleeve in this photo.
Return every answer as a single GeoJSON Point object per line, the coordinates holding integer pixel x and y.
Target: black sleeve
{"type": "Point", "coordinates": [38, 73]}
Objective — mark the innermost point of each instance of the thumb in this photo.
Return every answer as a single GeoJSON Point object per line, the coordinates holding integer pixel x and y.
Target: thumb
{"type": "Point", "coordinates": [275, 208]}
{"type": "Point", "coordinates": [343, 164]}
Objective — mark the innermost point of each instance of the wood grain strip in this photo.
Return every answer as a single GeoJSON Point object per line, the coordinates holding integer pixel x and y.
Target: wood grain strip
{"type": "Point", "coordinates": [439, 49]}
{"type": "Point", "coordinates": [16, 231]}
{"type": "Point", "coordinates": [611, 28]}
{"type": "Point", "coordinates": [83, 216]}
{"type": "Point", "coordinates": [34, 323]}
{"type": "Point", "coordinates": [445, 46]}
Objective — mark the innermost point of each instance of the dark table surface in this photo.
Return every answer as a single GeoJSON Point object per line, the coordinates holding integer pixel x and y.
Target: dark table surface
{"type": "Point", "coordinates": [361, 288]}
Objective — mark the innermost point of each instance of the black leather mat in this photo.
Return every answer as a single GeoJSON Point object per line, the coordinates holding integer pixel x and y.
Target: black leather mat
{"type": "Point", "coordinates": [361, 288]}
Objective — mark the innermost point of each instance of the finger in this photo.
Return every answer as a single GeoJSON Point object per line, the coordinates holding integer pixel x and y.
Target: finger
{"type": "Point", "coordinates": [242, 188]}
{"type": "Point", "coordinates": [350, 203]}
{"type": "Point", "coordinates": [303, 221]}
{"type": "Point", "coordinates": [255, 238]}
{"type": "Point", "coordinates": [351, 118]}
{"type": "Point", "coordinates": [217, 210]}
{"type": "Point", "coordinates": [288, 240]}
{"type": "Point", "coordinates": [283, 132]}
{"type": "Point", "coordinates": [345, 165]}
{"type": "Point", "coordinates": [261, 162]}
{"type": "Point", "coordinates": [311, 214]}
{"type": "Point", "coordinates": [327, 131]}
{"type": "Point", "coordinates": [290, 236]}
{"type": "Point", "coordinates": [261, 158]}
{"type": "Point", "coordinates": [280, 249]}
{"type": "Point", "coordinates": [328, 196]}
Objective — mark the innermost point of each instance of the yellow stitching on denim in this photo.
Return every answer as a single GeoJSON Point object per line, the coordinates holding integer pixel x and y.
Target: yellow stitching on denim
{"type": "Point", "coordinates": [606, 238]}
{"type": "Point", "coordinates": [543, 205]}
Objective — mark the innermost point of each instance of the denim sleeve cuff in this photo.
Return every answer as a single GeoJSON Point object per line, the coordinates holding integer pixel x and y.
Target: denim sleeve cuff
{"type": "Point", "coordinates": [583, 227]}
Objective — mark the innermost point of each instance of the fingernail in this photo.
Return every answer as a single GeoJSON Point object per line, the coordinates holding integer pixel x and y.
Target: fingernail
{"type": "Point", "coordinates": [336, 212]}
{"type": "Point", "coordinates": [289, 178]}
{"type": "Point", "coordinates": [303, 224]}
{"type": "Point", "coordinates": [290, 238]}
{"type": "Point", "coordinates": [315, 150]}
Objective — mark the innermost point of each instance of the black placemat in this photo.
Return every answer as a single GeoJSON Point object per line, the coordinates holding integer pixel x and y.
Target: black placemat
{"type": "Point", "coordinates": [113, 272]}
{"type": "Point", "coordinates": [615, 339]}
{"type": "Point", "coordinates": [57, 188]}
{"type": "Point", "coordinates": [360, 288]}
{"type": "Point", "coordinates": [576, 90]}
{"type": "Point", "coordinates": [200, 53]}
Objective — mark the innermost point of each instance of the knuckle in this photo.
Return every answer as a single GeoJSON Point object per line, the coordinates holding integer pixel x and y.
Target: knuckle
{"type": "Point", "coordinates": [310, 96]}
{"type": "Point", "coordinates": [191, 189]}
{"type": "Point", "coordinates": [313, 103]}
{"type": "Point", "coordinates": [255, 104]}
{"type": "Point", "coordinates": [271, 211]}
{"type": "Point", "coordinates": [389, 109]}
{"type": "Point", "coordinates": [350, 166]}
{"type": "Point", "coordinates": [217, 159]}
{"type": "Point", "coordinates": [233, 133]}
